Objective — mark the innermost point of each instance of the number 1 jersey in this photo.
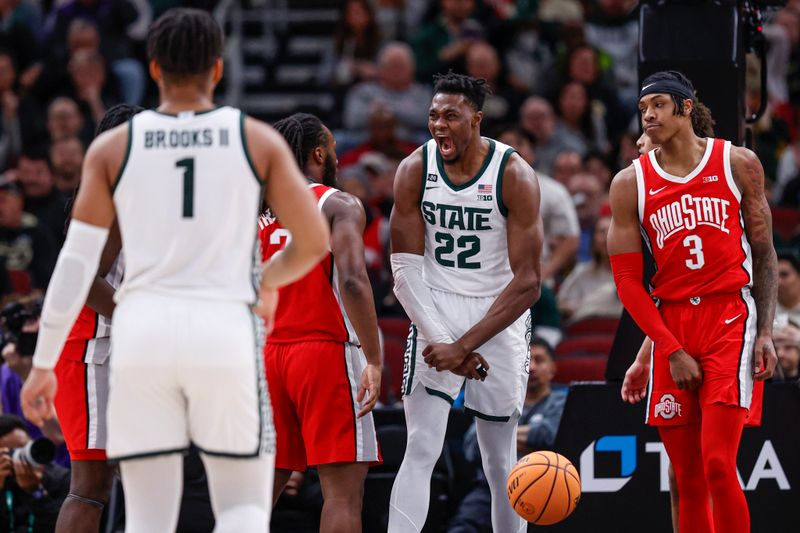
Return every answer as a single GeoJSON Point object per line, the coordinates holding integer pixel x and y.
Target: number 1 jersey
{"type": "Point", "coordinates": [188, 200]}
{"type": "Point", "coordinates": [693, 226]}
{"type": "Point", "coordinates": [466, 246]}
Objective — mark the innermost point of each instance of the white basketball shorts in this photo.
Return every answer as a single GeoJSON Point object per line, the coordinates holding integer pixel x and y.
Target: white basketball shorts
{"type": "Point", "coordinates": [187, 371]}
{"type": "Point", "coordinates": [502, 393]}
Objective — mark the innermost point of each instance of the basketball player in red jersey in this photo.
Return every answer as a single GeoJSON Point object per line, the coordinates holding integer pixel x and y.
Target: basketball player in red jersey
{"type": "Point", "coordinates": [634, 387]}
{"type": "Point", "coordinates": [321, 384]}
{"type": "Point", "coordinates": [700, 205]}
{"type": "Point", "coordinates": [82, 373]}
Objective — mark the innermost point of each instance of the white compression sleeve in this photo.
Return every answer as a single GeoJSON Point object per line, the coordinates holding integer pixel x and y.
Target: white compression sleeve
{"type": "Point", "coordinates": [66, 294]}
{"type": "Point", "coordinates": [498, 445]}
{"type": "Point", "coordinates": [426, 421]}
{"type": "Point", "coordinates": [415, 297]}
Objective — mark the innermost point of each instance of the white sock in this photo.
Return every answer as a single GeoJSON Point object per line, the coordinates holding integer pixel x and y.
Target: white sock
{"type": "Point", "coordinates": [498, 444]}
{"type": "Point", "coordinates": [153, 488]}
{"type": "Point", "coordinates": [241, 492]}
{"type": "Point", "coordinates": [426, 422]}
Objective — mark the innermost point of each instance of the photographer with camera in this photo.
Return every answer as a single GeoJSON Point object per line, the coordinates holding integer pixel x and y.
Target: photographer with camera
{"type": "Point", "coordinates": [33, 487]}
{"type": "Point", "coordinates": [19, 323]}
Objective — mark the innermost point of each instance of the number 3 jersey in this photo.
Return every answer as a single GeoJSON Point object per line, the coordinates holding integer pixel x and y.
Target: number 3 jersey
{"type": "Point", "coordinates": [693, 226]}
{"type": "Point", "coordinates": [466, 247]}
{"type": "Point", "coordinates": [188, 200]}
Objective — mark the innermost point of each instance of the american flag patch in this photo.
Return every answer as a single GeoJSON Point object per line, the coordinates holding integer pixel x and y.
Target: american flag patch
{"type": "Point", "coordinates": [484, 189]}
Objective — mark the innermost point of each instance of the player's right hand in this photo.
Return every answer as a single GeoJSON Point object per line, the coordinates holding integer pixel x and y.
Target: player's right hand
{"type": "Point", "coordinates": [37, 395]}
{"type": "Point", "coordinates": [685, 370]}
{"type": "Point", "coordinates": [266, 307]}
{"type": "Point", "coordinates": [470, 367]}
{"type": "Point", "coordinates": [634, 386]}
{"type": "Point", "coordinates": [370, 388]}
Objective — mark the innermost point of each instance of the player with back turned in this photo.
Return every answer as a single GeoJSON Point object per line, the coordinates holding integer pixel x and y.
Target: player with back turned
{"type": "Point", "coordinates": [185, 184]}
{"type": "Point", "coordinates": [700, 205]}
{"type": "Point", "coordinates": [466, 241]}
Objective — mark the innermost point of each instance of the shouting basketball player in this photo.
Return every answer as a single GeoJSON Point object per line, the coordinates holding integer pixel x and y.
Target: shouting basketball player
{"type": "Point", "coordinates": [184, 182]}
{"type": "Point", "coordinates": [466, 241]}
{"type": "Point", "coordinates": [316, 370]}
{"type": "Point", "coordinates": [701, 207]}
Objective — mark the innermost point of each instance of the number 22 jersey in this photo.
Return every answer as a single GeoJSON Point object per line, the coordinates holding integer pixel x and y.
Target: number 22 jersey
{"type": "Point", "coordinates": [466, 245]}
{"type": "Point", "coordinates": [693, 226]}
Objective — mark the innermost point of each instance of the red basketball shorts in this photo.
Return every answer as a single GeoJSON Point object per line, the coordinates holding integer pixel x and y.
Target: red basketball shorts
{"type": "Point", "coordinates": [81, 400]}
{"type": "Point", "coordinates": [313, 388]}
{"type": "Point", "coordinates": [719, 331]}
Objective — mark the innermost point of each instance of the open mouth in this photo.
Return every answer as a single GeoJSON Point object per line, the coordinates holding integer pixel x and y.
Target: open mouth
{"type": "Point", "coordinates": [446, 147]}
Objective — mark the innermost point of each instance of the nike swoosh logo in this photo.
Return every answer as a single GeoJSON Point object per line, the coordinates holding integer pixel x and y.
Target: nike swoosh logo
{"type": "Point", "coordinates": [728, 321]}
{"type": "Point", "coordinates": [429, 188]}
{"type": "Point", "coordinates": [646, 86]}
{"type": "Point", "coordinates": [652, 192]}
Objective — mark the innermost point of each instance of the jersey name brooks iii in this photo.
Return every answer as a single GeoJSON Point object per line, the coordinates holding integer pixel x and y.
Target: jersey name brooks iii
{"type": "Point", "coordinates": [310, 309]}
{"type": "Point", "coordinates": [466, 247]}
{"type": "Point", "coordinates": [693, 226]}
{"type": "Point", "coordinates": [188, 199]}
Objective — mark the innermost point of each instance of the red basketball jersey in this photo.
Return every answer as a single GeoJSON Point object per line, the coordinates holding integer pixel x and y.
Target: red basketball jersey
{"type": "Point", "coordinates": [693, 226]}
{"type": "Point", "coordinates": [308, 309]}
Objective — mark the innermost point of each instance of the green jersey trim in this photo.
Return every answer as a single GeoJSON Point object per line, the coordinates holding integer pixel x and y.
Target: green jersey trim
{"type": "Point", "coordinates": [203, 112]}
{"type": "Point", "coordinates": [412, 360]}
{"type": "Point", "coordinates": [440, 164]}
{"type": "Point", "coordinates": [440, 394]}
{"type": "Point", "coordinates": [125, 159]}
{"type": "Point", "coordinates": [424, 177]}
{"type": "Point", "coordinates": [490, 418]}
{"type": "Point", "coordinates": [500, 204]}
{"type": "Point", "coordinates": [243, 136]}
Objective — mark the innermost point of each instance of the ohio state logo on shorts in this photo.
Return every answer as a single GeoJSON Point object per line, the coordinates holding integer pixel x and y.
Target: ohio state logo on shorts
{"type": "Point", "coordinates": [667, 407]}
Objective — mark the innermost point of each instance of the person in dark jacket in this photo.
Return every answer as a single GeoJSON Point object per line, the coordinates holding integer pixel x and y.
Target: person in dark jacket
{"type": "Point", "coordinates": [32, 495]}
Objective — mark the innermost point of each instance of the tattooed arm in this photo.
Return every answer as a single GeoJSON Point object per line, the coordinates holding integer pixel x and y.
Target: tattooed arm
{"type": "Point", "coordinates": [749, 175]}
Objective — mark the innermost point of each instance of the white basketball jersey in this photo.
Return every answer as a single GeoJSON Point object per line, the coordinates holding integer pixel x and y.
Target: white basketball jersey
{"type": "Point", "coordinates": [188, 200]}
{"type": "Point", "coordinates": [466, 251]}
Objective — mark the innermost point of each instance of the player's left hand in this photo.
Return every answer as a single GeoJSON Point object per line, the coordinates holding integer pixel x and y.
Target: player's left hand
{"type": "Point", "coordinates": [371, 387]}
{"type": "Point", "coordinates": [444, 356]}
{"type": "Point", "coordinates": [474, 366]}
{"type": "Point", "coordinates": [37, 395]}
{"type": "Point", "coordinates": [765, 358]}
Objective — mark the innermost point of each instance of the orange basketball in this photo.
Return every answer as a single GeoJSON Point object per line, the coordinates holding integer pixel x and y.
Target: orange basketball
{"type": "Point", "coordinates": [544, 488]}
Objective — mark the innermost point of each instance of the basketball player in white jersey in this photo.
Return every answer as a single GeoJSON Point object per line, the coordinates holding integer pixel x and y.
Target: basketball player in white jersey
{"type": "Point", "coordinates": [466, 241]}
{"type": "Point", "coordinates": [185, 184]}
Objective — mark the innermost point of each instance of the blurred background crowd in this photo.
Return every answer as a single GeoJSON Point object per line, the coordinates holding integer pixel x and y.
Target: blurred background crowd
{"type": "Point", "coordinates": [563, 75]}
{"type": "Point", "coordinates": [564, 82]}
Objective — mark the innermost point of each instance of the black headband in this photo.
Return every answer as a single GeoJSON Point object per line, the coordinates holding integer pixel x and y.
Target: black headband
{"type": "Point", "coordinates": [673, 87]}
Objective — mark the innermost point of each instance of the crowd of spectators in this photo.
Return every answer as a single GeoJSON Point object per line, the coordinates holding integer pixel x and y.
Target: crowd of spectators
{"type": "Point", "coordinates": [563, 76]}
{"type": "Point", "coordinates": [564, 89]}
